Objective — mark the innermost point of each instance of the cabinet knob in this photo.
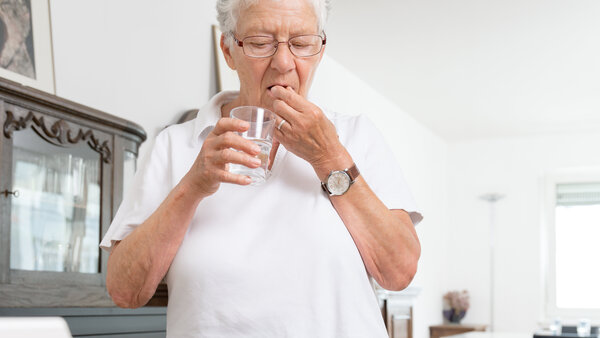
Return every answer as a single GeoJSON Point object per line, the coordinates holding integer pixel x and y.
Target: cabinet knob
{"type": "Point", "coordinates": [6, 193]}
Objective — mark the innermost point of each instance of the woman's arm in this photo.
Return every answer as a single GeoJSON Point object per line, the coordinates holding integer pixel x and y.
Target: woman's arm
{"type": "Point", "coordinates": [386, 239]}
{"type": "Point", "coordinates": [140, 261]}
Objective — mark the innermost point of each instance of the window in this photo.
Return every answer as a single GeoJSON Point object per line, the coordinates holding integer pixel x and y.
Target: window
{"type": "Point", "coordinates": [573, 245]}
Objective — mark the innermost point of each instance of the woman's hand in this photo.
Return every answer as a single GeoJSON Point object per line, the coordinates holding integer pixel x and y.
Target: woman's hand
{"type": "Point", "coordinates": [219, 149]}
{"type": "Point", "coordinates": [307, 132]}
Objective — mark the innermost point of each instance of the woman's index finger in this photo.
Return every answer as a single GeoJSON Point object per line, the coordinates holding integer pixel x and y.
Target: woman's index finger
{"type": "Point", "coordinates": [226, 124]}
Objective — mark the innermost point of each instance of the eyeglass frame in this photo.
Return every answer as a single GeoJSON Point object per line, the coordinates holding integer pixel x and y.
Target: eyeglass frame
{"type": "Point", "coordinates": [240, 43]}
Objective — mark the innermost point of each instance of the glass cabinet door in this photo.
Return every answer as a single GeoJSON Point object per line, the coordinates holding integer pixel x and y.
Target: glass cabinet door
{"type": "Point", "coordinates": [55, 220]}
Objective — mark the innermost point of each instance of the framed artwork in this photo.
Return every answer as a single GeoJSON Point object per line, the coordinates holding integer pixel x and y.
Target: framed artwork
{"type": "Point", "coordinates": [26, 43]}
{"type": "Point", "coordinates": [227, 78]}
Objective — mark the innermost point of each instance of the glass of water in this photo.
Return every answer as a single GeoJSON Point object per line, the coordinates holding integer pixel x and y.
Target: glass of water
{"type": "Point", "coordinates": [262, 123]}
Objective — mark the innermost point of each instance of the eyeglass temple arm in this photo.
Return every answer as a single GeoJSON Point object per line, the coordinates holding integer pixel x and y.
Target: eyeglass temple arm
{"type": "Point", "coordinates": [238, 42]}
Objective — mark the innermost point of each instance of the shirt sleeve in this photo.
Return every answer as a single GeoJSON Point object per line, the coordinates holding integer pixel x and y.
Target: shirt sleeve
{"type": "Point", "coordinates": [379, 167]}
{"type": "Point", "coordinates": [150, 187]}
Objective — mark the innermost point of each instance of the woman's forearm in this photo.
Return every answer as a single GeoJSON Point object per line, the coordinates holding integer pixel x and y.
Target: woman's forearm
{"type": "Point", "coordinates": [139, 262]}
{"type": "Point", "coordinates": [386, 239]}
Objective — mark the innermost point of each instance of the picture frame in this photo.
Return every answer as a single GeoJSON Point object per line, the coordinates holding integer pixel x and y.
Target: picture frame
{"type": "Point", "coordinates": [227, 78]}
{"type": "Point", "coordinates": [26, 54]}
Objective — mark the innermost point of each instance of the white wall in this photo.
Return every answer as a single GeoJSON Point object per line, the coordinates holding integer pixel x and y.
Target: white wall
{"type": "Point", "coordinates": [144, 60]}
{"type": "Point", "coordinates": [148, 61]}
{"type": "Point", "coordinates": [494, 68]}
{"type": "Point", "coordinates": [514, 167]}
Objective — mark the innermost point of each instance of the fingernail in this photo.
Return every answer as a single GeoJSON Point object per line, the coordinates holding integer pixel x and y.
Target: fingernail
{"type": "Point", "coordinates": [255, 148]}
{"type": "Point", "coordinates": [256, 161]}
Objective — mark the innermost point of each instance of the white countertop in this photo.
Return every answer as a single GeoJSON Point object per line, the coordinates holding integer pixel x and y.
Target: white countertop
{"type": "Point", "coordinates": [476, 334]}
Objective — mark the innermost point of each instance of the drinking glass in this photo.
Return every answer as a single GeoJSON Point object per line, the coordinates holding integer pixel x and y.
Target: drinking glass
{"type": "Point", "coordinates": [556, 327]}
{"type": "Point", "coordinates": [262, 123]}
{"type": "Point", "coordinates": [584, 328]}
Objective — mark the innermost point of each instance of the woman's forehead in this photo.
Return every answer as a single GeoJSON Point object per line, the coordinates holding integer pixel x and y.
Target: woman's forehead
{"type": "Point", "coordinates": [275, 17]}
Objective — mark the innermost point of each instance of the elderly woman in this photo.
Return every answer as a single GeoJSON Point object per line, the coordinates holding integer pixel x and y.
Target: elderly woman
{"type": "Point", "coordinates": [281, 259]}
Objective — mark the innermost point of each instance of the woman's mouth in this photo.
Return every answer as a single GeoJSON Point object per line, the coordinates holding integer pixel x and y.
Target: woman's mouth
{"type": "Point", "coordinates": [284, 86]}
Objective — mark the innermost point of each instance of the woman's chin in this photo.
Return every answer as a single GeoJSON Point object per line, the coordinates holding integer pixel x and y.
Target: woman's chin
{"type": "Point", "coordinates": [267, 100]}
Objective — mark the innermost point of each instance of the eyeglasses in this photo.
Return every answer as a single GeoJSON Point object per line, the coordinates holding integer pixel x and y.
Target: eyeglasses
{"type": "Point", "coordinates": [266, 46]}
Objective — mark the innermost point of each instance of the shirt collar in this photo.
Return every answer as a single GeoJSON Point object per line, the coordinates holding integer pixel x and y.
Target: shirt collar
{"type": "Point", "coordinates": [210, 113]}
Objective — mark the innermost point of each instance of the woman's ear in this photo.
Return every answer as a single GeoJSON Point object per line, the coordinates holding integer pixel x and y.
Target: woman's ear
{"type": "Point", "coordinates": [227, 53]}
{"type": "Point", "coordinates": [322, 53]}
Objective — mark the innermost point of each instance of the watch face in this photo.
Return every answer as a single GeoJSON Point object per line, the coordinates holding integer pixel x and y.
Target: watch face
{"type": "Point", "coordinates": [338, 182]}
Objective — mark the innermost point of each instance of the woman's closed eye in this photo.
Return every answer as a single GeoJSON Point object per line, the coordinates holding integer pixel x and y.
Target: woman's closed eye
{"type": "Point", "coordinates": [260, 45]}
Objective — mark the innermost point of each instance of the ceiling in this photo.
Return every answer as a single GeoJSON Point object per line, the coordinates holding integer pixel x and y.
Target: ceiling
{"type": "Point", "coordinates": [472, 69]}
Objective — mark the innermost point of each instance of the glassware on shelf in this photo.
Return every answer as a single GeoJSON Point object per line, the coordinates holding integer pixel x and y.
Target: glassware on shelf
{"type": "Point", "coordinates": [584, 328]}
{"type": "Point", "coordinates": [556, 327]}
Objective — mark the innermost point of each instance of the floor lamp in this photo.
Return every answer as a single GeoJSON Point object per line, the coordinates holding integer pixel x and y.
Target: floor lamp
{"type": "Point", "coordinates": [492, 198]}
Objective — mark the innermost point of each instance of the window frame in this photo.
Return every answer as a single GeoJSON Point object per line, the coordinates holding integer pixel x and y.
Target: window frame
{"type": "Point", "coordinates": [552, 179]}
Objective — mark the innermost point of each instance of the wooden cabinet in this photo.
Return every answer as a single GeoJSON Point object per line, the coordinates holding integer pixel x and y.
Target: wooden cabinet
{"type": "Point", "coordinates": [437, 331]}
{"type": "Point", "coordinates": [63, 169]}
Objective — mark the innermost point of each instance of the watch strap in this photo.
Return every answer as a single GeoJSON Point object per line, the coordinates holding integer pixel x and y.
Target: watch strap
{"type": "Point", "coordinates": [353, 172]}
{"type": "Point", "coordinates": [325, 189]}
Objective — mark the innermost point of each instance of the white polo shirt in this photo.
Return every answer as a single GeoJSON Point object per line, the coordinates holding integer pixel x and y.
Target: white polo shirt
{"type": "Point", "coordinates": [273, 260]}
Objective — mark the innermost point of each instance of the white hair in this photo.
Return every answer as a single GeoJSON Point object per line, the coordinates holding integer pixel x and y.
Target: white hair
{"type": "Point", "coordinates": [228, 12]}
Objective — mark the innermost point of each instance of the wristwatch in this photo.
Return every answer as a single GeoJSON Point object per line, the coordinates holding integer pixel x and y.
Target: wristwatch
{"type": "Point", "coordinates": [339, 181]}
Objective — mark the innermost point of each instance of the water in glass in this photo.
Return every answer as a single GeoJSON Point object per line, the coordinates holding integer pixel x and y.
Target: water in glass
{"type": "Point", "coordinates": [260, 174]}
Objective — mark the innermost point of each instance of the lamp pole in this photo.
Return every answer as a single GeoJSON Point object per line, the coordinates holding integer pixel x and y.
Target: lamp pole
{"type": "Point", "coordinates": [492, 198]}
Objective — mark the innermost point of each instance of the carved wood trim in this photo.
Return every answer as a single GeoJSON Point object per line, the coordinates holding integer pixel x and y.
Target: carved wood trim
{"type": "Point", "coordinates": [59, 133]}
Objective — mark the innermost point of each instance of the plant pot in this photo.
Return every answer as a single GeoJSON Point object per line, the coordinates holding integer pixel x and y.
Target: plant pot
{"type": "Point", "coordinates": [454, 315]}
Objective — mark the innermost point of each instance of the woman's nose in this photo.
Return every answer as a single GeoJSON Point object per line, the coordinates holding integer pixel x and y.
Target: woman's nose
{"type": "Point", "coordinates": [283, 59]}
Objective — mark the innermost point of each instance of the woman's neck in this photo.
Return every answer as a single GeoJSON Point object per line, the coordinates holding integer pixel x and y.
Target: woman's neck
{"type": "Point", "coordinates": [227, 107]}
